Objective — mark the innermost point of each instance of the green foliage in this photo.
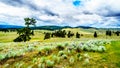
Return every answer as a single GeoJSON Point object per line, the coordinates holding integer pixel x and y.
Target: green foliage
{"type": "Point", "coordinates": [117, 33]}
{"type": "Point", "coordinates": [52, 60]}
{"type": "Point", "coordinates": [86, 61]}
{"type": "Point", "coordinates": [95, 34]}
{"type": "Point", "coordinates": [2, 56]}
{"type": "Point", "coordinates": [47, 36]}
{"type": "Point", "coordinates": [49, 64]}
{"type": "Point", "coordinates": [42, 60]}
{"type": "Point", "coordinates": [101, 49]}
{"type": "Point", "coordinates": [26, 32]}
{"type": "Point", "coordinates": [70, 34]}
{"type": "Point", "coordinates": [86, 55]}
{"type": "Point", "coordinates": [64, 56]}
{"type": "Point", "coordinates": [78, 55]}
{"type": "Point", "coordinates": [56, 59]}
{"type": "Point", "coordinates": [59, 33]}
{"type": "Point", "coordinates": [60, 53]}
{"type": "Point", "coordinates": [60, 47]}
{"type": "Point", "coordinates": [108, 33]}
{"type": "Point", "coordinates": [41, 65]}
{"type": "Point", "coordinates": [77, 35]}
{"type": "Point", "coordinates": [29, 21]}
{"type": "Point", "coordinates": [71, 60]}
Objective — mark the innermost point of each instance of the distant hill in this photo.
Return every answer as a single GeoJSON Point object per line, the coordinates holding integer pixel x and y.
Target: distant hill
{"type": "Point", "coordinates": [84, 27]}
{"type": "Point", "coordinates": [59, 27]}
{"type": "Point", "coordinates": [50, 27]}
{"type": "Point", "coordinates": [10, 26]}
{"type": "Point", "coordinates": [53, 27]}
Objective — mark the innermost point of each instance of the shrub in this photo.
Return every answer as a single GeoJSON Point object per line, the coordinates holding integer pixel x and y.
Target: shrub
{"type": "Point", "coordinates": [2, 56]}
{"type": "Point", "coordinates": [78, 55]}
{"type": "Point", "coordinates": [101, 49]}
{"type": "Point", "coordinates": [86, 61]}
{"type": "Point", "coordinates": [42, 60]}
{"type": "Point", "coordinates": [64, 56]}
{"type": "Point", "coordinates": [41, 65]}
{"type": "Point", "coordinates": [66, 44]}
{"type": "Point", "coordinates": [94, 48]}
{"type": "Point", "coordinates": [71, 60]}
{"type": "Point", "coordinates": [6, 66]}
{"type": "Point", "coordinates": [95, 34]}
{"type": "Point", "coordinates": [60, 47]}
{"type": "Point", "coordinates": [80, 58]}
{"type": "Point", "coordinates": [60, 53]}
{"type": "Point", "coordinates": [19, 65]}
{"type": "Point", "coordinates": [77, 35]}
{"type": "Point", "coordinates": [48, 50]}
{"type": "Point", "coordinates": [30, 48]}
{"type": "Point", "coordinates": [78, 49]}
{"type": "Point", "coordinates": [34, 60]}
{"type": "Point", "coordinates": [47, 36]}
{"type": "Point", "coordinates": [86, 55]}
{"type": "Point", "coordinates": [49, 64]}
{"type": "Point", "coordinates": [56, 59]}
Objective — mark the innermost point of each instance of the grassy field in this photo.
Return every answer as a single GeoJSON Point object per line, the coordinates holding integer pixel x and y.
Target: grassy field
{"type": "Point", "coordinates": [39, 35]}
{"type": "Point", "coordinates": [40, 53]}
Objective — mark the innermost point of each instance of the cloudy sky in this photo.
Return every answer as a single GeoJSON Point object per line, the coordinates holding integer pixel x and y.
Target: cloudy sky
{"type": "Point", "coordinates": [94, 13]}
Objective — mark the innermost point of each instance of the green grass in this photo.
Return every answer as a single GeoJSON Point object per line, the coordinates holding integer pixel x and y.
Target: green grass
{"type": "Point", "coordinates": [108, 59]}
{"type": "Point", "coordinates": [116, 52]}
{"type": "Point", "coordinates": [39, 35]}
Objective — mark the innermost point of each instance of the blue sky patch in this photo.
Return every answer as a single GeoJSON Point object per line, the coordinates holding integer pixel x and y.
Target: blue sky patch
{"type": "Point", "coordinates": [76, 3]}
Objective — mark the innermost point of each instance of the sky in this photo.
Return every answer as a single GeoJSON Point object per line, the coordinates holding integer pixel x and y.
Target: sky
{"type": "Point", "coordinates": [93, 13]}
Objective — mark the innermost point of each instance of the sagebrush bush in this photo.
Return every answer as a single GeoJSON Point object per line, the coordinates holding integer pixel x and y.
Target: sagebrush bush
{"type": "Point", "coordinates": [41, 65]}
{"type": "Point", "coordinates": [60, 47]}
{"type": "Point", "coordinates": [60, 53]}
{"type": "Point", "coordinates": [2, 56]}
{"type": "Point", "coordinates": [56, 59]}
{"type": "Point", "coordinates": [42, 59]}
{"type": "Point", "coordinates": [49, 64]}
{"type": "Point", "coordinates": [71, 60]}
{"type": "Point", "coordinates": [64, 56]}
{"type": "Point", "coordinates": [86, 61]}
{"type": "Point", "coordinates": [101, 49]}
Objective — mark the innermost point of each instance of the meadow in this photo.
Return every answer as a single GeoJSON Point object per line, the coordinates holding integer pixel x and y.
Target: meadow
{"type": "Point", "coordinates": [83, 52]}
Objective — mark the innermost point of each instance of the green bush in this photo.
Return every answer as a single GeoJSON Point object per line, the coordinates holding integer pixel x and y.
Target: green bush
{"type": "Point", "coordinates": [49, 64]}
{"type": "Point", "coordinates": [71, 60]}
{"type": "Point", "coordinates": [60, 47]}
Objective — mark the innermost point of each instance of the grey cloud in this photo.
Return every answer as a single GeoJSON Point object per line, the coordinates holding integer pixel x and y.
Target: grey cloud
{"type": "Point", "coordinates": [13, 2]}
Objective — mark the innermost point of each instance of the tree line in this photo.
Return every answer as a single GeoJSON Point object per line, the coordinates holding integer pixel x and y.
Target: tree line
{"type": "Point", "coordinates": [26, 32]}
{"type": "Point", "coordinates": [61, 33]}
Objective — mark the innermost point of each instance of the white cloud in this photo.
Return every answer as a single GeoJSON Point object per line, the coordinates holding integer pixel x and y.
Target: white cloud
{"type": "Point", "coordinates": [102, 7]}
{"type": "Point", "coordinates": [14, 11]}
{"type": "Point", "coordinates": [56, 12]}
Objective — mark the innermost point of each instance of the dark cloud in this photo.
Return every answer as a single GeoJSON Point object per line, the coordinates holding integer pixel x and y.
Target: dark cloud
{"type": "Point", "coordinates": [87, 13]}
{"type": "Point", "coordinates": [13, 2]}
{"type": "Point", "coordinates": [50, 13]}
{"type": "Point", "coordinates": [29, 5]}
{"type": "Point", "coordinates": [111, 14]}
{"type": "Point", "coordinates": [21, 3]}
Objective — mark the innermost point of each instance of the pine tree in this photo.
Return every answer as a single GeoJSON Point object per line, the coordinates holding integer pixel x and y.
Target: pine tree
{"type": "Point", "coordinates": [47, 36]}
{"type": "Point", "coordinates": [95, 34]}
{"type": "Point", "coordinates": [26, 32]}
{"type": "Point", "coordinates": [69, 34]}
{"type": "Point", "coordinates": [77, 35]}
